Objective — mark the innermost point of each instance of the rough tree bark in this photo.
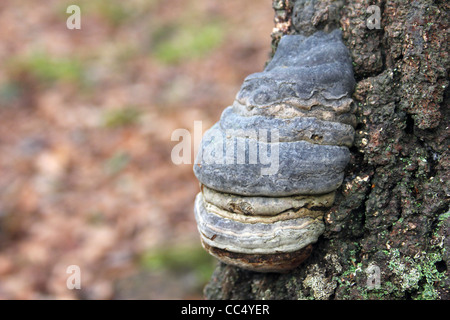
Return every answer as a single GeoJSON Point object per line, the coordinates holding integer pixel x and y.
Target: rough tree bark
{"type": "Point", "coordinates": [392, 212]}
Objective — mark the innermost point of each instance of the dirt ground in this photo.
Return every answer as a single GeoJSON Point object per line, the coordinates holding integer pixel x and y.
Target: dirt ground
{"type": "Point", "coordinates": [86, 118]}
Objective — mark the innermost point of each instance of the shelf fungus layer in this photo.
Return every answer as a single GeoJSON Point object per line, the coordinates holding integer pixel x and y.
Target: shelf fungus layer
{"type": "Point", "coordinates": [270, 167]}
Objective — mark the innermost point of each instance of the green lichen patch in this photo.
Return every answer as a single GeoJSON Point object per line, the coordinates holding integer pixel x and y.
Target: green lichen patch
{"type": "Point", "coordinates": [416, 275]}
{"type": "Point", "coordinates": [321, 287]}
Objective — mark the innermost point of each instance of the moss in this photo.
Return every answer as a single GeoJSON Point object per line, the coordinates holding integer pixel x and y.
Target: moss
{"type": "Point", "coordinates": [180, 259]}
{"type": "Point", "coordinates": [115, 12]}
{"type": "Point", "coordinates": [45, 69]}
{"type": "Point", "coordinates": [121, 117]}
{"type": "Point", "coordinates": [116, 163]}
{"type": "Point", "coordinates": [173, 43]}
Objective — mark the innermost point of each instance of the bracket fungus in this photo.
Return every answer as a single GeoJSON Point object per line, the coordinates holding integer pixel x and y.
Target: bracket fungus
{"type": "Point", "coordinates": [270, 167]}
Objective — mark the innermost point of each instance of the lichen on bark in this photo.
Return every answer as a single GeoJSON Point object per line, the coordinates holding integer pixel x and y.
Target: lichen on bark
{"type": "Point", "coordinates": [392, 210]}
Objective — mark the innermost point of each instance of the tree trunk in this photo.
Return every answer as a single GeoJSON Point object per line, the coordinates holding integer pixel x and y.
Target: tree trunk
{"type": "Point", "coordinates": [387, 234]}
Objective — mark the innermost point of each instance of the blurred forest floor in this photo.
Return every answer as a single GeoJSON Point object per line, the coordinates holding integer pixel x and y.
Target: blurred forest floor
{"type": "Point", "coordinates": [86, 118]}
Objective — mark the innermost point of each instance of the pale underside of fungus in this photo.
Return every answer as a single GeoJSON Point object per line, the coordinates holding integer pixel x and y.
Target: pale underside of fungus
{"type": "Point", "coordinates": [270, 167]}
